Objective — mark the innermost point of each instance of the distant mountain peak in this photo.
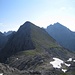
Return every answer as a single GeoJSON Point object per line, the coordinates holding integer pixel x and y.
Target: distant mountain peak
{"type": "Point", "coordinates": [28, 23]}
{"type": "Point", "coordinates": [25, 26]}
{"type": "Point", "coordinates": [62, 35]}
{"type": "Point", "coordinates": [58, 26]}
{"type": "Point", "coordinates": [57, 23]}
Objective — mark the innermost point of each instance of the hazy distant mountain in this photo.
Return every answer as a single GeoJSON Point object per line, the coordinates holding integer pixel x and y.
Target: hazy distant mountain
{"type": "Point", "coordinates": [62, 35]}
{"type": "Point", "coordinates": [31, 49]}
{"type": "Point", "coordinates": [8, 33]}
{"type": "Point", "coordinates": [3, 40]}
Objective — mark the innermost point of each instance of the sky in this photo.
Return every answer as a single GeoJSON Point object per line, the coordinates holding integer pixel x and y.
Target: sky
{"type": "Point", "coordinates": [13, 13]}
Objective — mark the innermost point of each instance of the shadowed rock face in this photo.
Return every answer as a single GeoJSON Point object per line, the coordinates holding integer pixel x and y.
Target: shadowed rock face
{"type": "Point", "coordinates": [62, 35]}
{"type": "Point", "coordinates": [20, 41]}
{"type": "Point", "coordinates": [3, 40]}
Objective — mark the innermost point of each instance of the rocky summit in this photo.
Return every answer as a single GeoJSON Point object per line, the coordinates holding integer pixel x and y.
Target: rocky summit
{"type": "Point", "coordinates": [31, 49]}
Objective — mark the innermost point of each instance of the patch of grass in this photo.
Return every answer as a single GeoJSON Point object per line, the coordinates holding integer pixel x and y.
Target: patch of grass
{"type": "Point", "coordinates": [53, 45]}
{"type": "Point", "coordinates": [63, 74]}
{"type": "Point", "coordinates": [41, 37]}
{"type": "Point", "coordinates": [28, 53]}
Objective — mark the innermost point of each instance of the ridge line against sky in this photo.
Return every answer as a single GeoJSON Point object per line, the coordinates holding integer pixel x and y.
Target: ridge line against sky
{"type": "Point", "coordinates": [14, 13]}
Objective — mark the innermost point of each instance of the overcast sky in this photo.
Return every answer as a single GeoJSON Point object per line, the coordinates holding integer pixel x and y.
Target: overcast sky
{"type": "Point", "coordinates": [14, 13]}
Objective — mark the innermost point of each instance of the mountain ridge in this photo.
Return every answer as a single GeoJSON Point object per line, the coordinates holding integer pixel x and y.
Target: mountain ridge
{"type": "Point", "coordinates": [62, 35]}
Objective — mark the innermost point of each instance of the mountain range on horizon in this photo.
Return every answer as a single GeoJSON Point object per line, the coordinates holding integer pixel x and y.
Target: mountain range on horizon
{"type": "Point", "coordinates": [63, 35]}
{"type": "Point", "coordinates": [30, 51]}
